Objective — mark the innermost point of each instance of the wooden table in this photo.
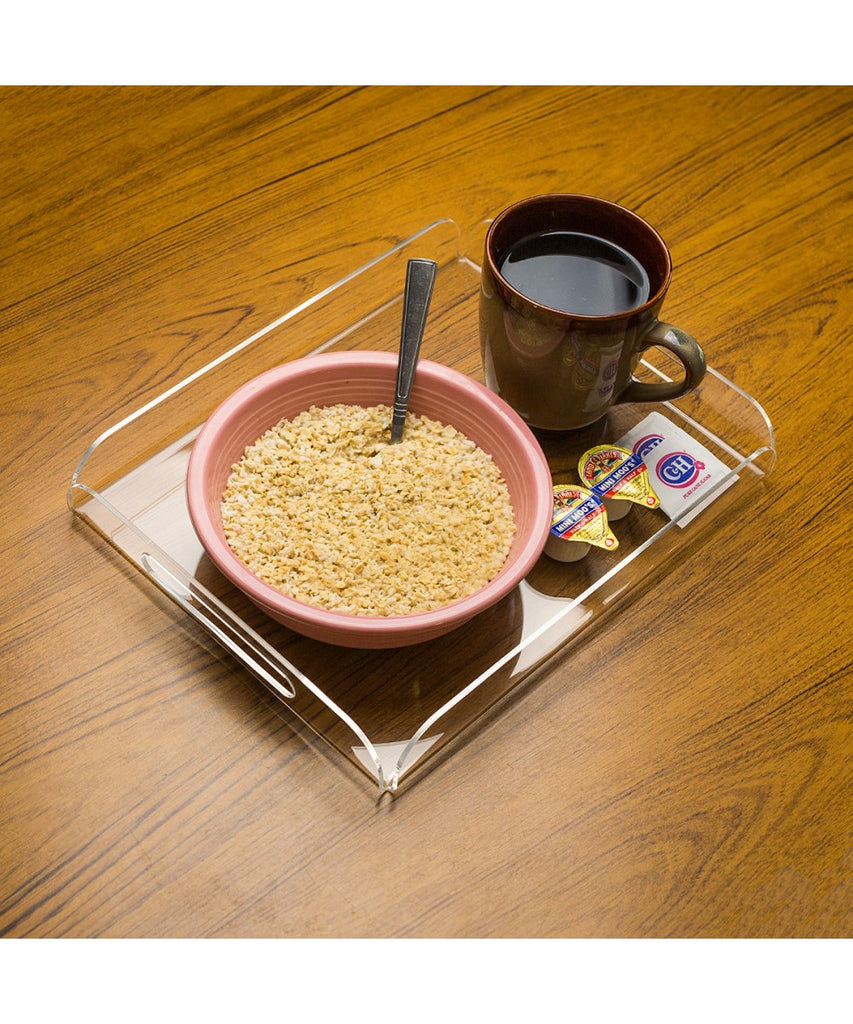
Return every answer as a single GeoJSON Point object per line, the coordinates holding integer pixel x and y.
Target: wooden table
{"type": "Point", "coordinates": [687, 772]}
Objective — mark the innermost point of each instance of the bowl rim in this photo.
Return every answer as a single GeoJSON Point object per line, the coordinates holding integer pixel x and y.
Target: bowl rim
{"type": "Point", "coordinates": [270, 598]}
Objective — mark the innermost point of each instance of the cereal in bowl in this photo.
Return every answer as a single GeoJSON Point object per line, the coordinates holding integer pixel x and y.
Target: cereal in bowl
{"type": "Point", "coordinates": [323, 508]}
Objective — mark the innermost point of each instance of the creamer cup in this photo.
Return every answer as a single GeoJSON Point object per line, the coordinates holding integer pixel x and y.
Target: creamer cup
{"type": "Point", "coordinates": [619, 477]}
{"type": "Point", "coordinates": [579, 520]}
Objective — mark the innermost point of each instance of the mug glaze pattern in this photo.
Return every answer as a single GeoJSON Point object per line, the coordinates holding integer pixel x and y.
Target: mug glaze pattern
{"type": "Point", "coordinates": [563, 371]}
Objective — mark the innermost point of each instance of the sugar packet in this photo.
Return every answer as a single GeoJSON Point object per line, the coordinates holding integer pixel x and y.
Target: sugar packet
{"type": "Point", "coordinates": [682, 471]}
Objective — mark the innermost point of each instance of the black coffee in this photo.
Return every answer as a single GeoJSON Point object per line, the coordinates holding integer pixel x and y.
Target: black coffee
{"type": "Point", "coordinates": [576, 273]}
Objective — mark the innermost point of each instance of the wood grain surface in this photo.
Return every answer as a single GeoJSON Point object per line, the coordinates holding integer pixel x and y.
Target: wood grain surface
{"type": "Point", "coordinates": [685, 773]}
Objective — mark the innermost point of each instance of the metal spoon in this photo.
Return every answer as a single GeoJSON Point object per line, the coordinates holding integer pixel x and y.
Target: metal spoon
{"type": "Point", "coordinates": [420, 277]}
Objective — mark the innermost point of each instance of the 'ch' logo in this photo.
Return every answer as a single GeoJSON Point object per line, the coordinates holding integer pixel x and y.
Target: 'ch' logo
{"type": "Point", "coordinates": [678, 469]}
{"type": "Point", "coordinates": [647, 444]}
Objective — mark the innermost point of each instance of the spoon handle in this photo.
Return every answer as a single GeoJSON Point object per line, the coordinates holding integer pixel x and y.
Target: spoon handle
{"type": "Point", "coordinates": [420, 277]}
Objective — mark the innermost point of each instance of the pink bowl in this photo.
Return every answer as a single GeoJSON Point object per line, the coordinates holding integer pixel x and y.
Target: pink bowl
{"type": "Point", "coordinates": [367, 378]}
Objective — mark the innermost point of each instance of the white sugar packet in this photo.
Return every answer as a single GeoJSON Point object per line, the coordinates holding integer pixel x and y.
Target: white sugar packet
{"type": "Point", "coordinates": [681, 470]}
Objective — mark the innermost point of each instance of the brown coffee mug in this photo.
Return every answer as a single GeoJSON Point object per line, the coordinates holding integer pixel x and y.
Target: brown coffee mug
{"type": "Point", "coordinates": [570, 293]}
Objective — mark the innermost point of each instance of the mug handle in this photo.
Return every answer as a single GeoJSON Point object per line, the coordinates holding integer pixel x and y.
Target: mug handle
{"type": "Point", "coordinates": [682, 345]}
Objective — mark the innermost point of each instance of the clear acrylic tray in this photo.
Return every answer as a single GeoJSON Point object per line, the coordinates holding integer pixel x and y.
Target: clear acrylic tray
{"type": "Point", "coordinates": [393, 713]}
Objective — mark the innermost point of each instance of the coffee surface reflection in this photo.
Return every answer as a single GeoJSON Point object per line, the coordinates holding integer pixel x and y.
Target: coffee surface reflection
{"type": "Point", "coordinates": [576, 273]}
